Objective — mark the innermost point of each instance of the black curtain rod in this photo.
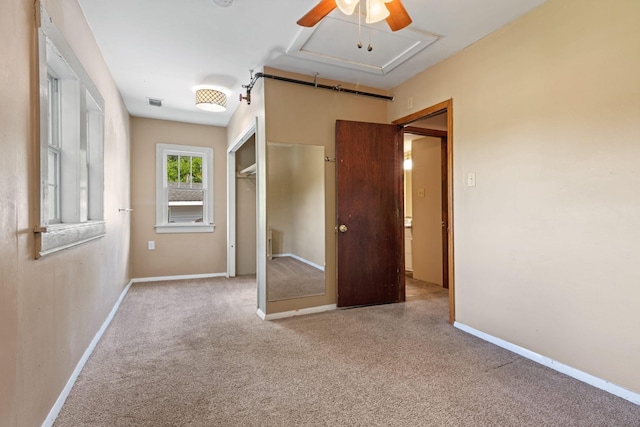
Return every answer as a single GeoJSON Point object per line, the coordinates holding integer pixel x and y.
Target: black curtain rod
{"type": "Point", "coordinates": [337, 88]}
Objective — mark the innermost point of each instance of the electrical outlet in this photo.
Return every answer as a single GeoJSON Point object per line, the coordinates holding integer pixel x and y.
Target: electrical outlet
{"type": "Point", "coordinates": [420, 192]}
{"type": "Point", "coordinates": [471, 179]}
{"type": "Point", "coordinates": [151, 245]}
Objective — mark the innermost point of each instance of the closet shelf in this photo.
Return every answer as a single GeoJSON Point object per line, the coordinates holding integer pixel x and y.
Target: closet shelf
{"type": "Point", "coordinates": [248, 171]}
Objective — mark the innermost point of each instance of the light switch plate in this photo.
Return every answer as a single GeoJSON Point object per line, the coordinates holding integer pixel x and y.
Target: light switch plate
{"type": "Point", "coordinates": [471, 179]}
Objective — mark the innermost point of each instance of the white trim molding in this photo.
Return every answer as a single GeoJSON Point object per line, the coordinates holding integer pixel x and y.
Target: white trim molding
{"type": "Point", "coordinates": [305, 261]}
{"type": "Point", "coordinates": [232, 196]}
{"type": "Point", "coordinates": [555, 365]}
{"type": "Point", "coordinates": [53, 414]}
{"type": "Point", "coordinates": [183, 277]}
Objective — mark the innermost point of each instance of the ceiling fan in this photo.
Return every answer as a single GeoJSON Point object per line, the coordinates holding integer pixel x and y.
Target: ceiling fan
{"type": "Point", "coordinates": [376, 10]}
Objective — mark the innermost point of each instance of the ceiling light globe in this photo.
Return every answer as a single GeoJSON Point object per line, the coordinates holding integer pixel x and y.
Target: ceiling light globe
{"type": "Point", "coordinates": [376, 11]}
{"type": "Point", "coordinates": [347, 6]}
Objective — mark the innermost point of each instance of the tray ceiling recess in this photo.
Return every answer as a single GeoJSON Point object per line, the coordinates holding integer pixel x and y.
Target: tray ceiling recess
{"type": "Point", "coordinates": [334, 41]}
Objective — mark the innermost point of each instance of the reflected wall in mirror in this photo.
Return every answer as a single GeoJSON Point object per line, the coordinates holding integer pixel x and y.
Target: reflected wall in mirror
{"type": "Point", "coordinates": [295, 221]}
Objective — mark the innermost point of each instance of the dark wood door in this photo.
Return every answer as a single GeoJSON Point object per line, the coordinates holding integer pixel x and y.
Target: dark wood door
{"type": "Point", "coordinates": [370, 213]}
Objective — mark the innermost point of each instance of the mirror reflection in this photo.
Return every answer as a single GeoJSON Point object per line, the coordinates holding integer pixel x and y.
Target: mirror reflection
{"type": "Point", "coordinates": [295, 221]}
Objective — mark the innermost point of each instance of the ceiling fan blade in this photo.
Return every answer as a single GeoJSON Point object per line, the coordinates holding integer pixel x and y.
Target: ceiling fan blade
{"type": "Point", "coordinates": [314, 16]}
{"type": "Point", "coordinates": [399, 17]}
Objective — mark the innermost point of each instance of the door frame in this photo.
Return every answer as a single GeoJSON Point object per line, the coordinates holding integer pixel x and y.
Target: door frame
{"type": "Point", "coordinates": [442, 135]}
{"type": "Point", "coordinates": [445, 106]}
{"type": "Point", "coordinates": [231, 197]}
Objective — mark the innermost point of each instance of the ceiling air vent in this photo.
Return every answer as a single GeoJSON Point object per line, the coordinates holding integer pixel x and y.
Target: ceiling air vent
{"type": "Point", "coordinates": [155, 102]}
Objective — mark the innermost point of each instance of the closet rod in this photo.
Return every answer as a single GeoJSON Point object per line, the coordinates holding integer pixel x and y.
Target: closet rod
{"type": "Point", "coordinates": [337, 88]}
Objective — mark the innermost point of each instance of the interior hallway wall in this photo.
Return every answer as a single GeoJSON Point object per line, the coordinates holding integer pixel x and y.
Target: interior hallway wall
{"type": "Point", "coordinates": [175, 253]}
{"type": "Point", "coordinates": [306, 115]}
{"type": "Point", "coordinates": [427, 207]}
{"type": "Point", "coordinates": [249, 118]}
{"type": "Point", "coordinates": [545, 113]}
{"type": "Point", "coordinates": [51, 308]}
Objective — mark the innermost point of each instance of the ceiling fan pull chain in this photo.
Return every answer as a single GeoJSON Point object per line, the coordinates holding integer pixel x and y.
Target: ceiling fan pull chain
{"type": "Point", "coordinates": [369, 47]}
{"type": "Point", "coordinates": [359, 26]}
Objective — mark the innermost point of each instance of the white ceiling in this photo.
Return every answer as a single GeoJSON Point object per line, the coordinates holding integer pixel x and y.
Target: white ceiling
{"type": "Point", "coordinates": [161, 49]}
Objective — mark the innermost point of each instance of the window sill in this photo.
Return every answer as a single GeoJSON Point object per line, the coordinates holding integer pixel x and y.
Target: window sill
{"type": "Point", "coordinates": [56, 237]}
{"type": "Point", "coordinates": [185, 228]}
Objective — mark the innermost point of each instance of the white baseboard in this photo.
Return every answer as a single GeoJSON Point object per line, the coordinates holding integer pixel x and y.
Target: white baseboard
{"type": "Point", "coordinates": [555, 365]}
{"type": "Point", "coordinates": [53, 414]}
{"type": "Point", "coordinates": [306, 261]}
{"type": "Point", "coordinates": [261, 314]}
{"type": "Point", "coordinates": [301, 312]}
{"type": "Point", "coordinates": [183, 277]}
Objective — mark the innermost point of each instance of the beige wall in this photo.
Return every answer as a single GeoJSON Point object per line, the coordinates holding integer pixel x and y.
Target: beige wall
{"type": "Point", "coordinates": [408, 189]}
{"type": "Point", "coordinates": [427, 210]}
{"type": "Point", "coordinates": [308, 199]}
{"type": "Point", "coordinates": [279, 201]}
{"type": "Point", "coordinates": [250, 118]}
{"type": "Point", "coordinates": [295, 203]}
{"type": "Point", "coordinates": [545, 112]}
{"type": "Point", "coordinates": [306, 115]}
{"type": "Point", "coordinates": [246, 211]}
{"type": "Point", "coordinates": [51, 308]}
{"type": "Point", "coordinates": [246, 222]}
{"type": "Point", "coordinates": [175, 254]}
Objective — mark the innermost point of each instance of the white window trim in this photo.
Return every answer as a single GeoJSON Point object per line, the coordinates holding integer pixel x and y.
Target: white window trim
{"type": "Point", "coordinates": [75, 228]}
{"type": "Point", "coordinates": [162, 225]}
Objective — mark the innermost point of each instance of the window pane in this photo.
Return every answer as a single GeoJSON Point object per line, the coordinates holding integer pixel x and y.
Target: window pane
{"type": "Point", "coordinates": [53, 112]}
{"type": "Point", "coordinates": [53, 184]}
{"type": "Point", "coordinates": [172, 168]}
{"type": "Point", "coordinates": [185, 168]}
{"type": "Point", "coordinates": [197, 170]}
{"type": "Point", "coordinates": [185, 201]}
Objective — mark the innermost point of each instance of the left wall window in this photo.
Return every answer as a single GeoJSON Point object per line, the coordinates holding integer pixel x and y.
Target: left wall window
{"type": "Point", "coordinates": [71, 146]}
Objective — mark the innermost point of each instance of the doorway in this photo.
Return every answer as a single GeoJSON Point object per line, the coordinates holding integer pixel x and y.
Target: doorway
{"type": "Point", "coordinates": [242, 205]}
{"type": "Point", "coordinates": [435, 123]}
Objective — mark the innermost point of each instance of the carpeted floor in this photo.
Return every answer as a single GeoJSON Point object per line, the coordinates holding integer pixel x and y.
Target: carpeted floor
{"type": "Point", "coordinates": [290, 278]}
{"type": "Point", "coordinates": [193, 353]}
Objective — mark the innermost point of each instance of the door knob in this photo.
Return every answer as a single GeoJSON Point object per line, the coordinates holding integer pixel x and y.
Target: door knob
{"type": "Point", "coordinates": [342, 228]}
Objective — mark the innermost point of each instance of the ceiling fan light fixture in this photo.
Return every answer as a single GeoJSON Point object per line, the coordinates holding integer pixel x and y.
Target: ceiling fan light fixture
{"type": "Point", "coordinates": [376, 11]}
{"type": "Point", "coordinates": [223, 3]}
{"type": "Point", "coordinates": [347, 6]}
{"type": "Point", "coordinates": [211, 100]}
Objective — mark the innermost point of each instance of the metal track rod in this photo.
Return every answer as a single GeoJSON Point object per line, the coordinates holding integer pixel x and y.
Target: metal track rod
{"type": "Point", "coordinates": [337, 88]}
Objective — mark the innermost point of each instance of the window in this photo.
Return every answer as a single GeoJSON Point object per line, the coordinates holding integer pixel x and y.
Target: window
{"type": "Point", "coordinates": [184, 189]}
{"type": "Point", "coordinates": [71, 147]}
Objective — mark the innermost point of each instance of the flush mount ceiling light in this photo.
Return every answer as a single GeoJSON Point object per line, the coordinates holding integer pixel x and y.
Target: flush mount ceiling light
{"type": "Point", "coordinates": [211, 100]}
{"type": "Point", "coordinates": [376, 10]}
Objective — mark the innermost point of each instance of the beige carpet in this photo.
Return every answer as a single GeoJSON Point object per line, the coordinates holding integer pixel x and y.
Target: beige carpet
{"type": "Point", "coordinates": [193, 353]}
{"type": "Point", "coordinates": [289, 278]}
